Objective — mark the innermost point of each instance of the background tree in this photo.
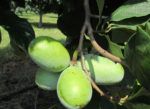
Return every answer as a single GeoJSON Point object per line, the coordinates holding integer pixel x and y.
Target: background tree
{"type": "Point", "coordinates": [43, 6]}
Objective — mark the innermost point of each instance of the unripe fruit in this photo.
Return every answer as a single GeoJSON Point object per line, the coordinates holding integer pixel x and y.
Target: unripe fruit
{"type": "Point", "coordinates": [49, 54]}
{"type": "Point", "coordinates": [73, 88]}
{"type": "Point", "coordinates": [103, 71]}
{"type": "Point", "coordinates": [46, 80]}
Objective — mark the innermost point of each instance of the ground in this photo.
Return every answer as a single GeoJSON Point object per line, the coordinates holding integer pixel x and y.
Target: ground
{"type": "Point", "coordinates": [17, 86]}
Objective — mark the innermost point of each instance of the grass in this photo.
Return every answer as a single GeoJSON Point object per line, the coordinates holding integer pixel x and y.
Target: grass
{"type": "Point", "coordinates": [49, 26]}
{"type": "Point", "coordinates": [49, 29]}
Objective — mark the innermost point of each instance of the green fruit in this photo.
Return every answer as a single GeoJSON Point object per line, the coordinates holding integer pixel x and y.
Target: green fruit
{"type": "Point", "coordinates": [73, 88]}
{"type": "Point", "coordinates": [46, 80]}
{"type": "Point", "coordinates": [49, 54]}
{"type": "Point", "coordinates": [103, 71]}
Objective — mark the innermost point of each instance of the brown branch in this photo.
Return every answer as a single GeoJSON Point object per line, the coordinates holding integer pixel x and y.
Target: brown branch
{"type": "Point", "coordinates": [97, 16]}
{"type": "Point", "coordinates": [87, 26]}
{"type": "Point", "coordinates": [105, 53]}
{"type": "Point", "coordinates": [81, 38]}
{"type": "Point", "coordinates": [82, 56]}
{"type": "Point", "coordinates": [93, 41]}
{"type": "Point", "coordinates": [89, 76]}
{"type": "Point", "coordinates": [84, 27]}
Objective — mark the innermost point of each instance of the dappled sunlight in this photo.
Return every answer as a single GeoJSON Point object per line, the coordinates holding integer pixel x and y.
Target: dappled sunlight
{"type": "Point", "coordinates": [49, 29]}
{"type": "Point", "coordinates": [5, 38]}
{"type": "Point", "coordinates": [49, 26]}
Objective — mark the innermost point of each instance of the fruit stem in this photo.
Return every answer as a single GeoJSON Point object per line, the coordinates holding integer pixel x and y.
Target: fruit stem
{"type": "Point", "coordinates": [74, 57]}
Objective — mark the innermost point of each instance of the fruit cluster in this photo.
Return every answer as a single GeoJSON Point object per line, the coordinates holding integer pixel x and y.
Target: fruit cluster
{"type": "Point", "coordinates": [73, 87]}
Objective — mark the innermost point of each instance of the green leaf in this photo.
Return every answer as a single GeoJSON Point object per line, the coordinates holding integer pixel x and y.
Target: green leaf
{"type": "Point", "coordinates": [139, 100]}
{"type": "Point", "coordinates": [136, 87]}
{"type": "Point", "coordinates": [100, 4]}
{"type": "Point", "coordinates": [115, 26]}
{"type": "Point", "coordinates": [98, 102]}
{"type": "Point", "coordinates": [132, 8]}
{"type": "Point", "coordinates": [137, 106]}
{"type": "Point", "coordinates": [130, 24]}
{"type": "Point", "coordinates": [122, 30]}
{"type": "Point", "coordinates": [141, 93]}
{"type": "Point", "coordinates": [20, 31]}
{"type": "Point", "coordinates": [137, 56]}
{"type": "Point", "coordinates": [147, 27]}
{"type": "Point", "coordinates": [114, 48]}
{"type": "Point", "coordinates": [121, 35]}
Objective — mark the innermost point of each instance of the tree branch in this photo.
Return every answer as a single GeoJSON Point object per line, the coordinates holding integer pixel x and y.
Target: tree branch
{"type": "Point", "coordinates": [93, 41]}
{"type": "Point", "coordinates": [87, 26]}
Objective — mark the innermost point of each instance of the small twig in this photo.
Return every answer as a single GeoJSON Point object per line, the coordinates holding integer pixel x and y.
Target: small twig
{"type": "Point", "coordinates": [122, 100]}
{"type": "Point", "coordinates": [81, 37]}
{"type": "Point", "coordinates": [94, 16]}
{"type": "Point", "coordinates": [101, 31]}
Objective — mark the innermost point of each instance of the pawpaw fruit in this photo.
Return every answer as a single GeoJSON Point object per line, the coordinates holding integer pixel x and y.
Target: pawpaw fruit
{"type": "Point", "coordinates": [73, 88]}
{"type": "Point", "coordinates": [102, 70]}
{"type": "Point", "coordinates": [49, 54]}
{"type": "Point", "coordinates": [46, 80]}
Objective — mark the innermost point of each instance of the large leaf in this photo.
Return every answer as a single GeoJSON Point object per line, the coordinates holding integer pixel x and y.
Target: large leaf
{"type": "Point", "coordinates": [20, 31]}
{"type": "Point", "coordinates": [130, 23]}
{"type": "Point", "coordinates": [122, 30]}
{"type": "Point", "coordinates": [137, 56]}
{"type": "Point", "coordinates": [139, 100]}
{"type": "Point", "coordinates": [100, 4]}
{"type": "Point", "coordinates": [132, 8]}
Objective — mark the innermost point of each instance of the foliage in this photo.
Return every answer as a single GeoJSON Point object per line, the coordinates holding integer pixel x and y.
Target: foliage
{"type": "Point", "coordinates": [137, 53]}
{"type": "Point", "coordinates": [44, 5]}
{"type": "Point", "coordinates": [123, 30]}
{"type": "Point", "coordinates": [20, 31]}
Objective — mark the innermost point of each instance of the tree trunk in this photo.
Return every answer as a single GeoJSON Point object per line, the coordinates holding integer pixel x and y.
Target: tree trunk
{"type": "Point", "coordinates": [41, 13]}
{"type": "Point", "coordinates": [40, 21]}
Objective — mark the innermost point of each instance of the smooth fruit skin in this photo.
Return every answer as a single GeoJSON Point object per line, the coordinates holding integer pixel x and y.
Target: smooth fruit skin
{"type": "Point", "coordinates": [46, 80]}
{"type": "Point", "coordinates": [73, 88]}
{"type": "Point", "coordinates": [49, 54]}
{"type": "Point", "coordinates": [103, 71]}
